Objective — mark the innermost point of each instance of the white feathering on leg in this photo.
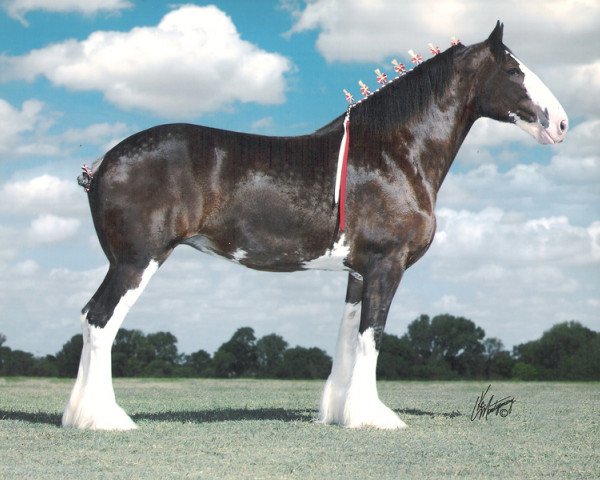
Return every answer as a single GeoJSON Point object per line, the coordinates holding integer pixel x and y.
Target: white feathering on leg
{"type": "Point", "coordinates": [92, 403]}
{"type": "Point", "coordinates": [336, 387]}
{"type": "Point", "coordinates": [363, 407]}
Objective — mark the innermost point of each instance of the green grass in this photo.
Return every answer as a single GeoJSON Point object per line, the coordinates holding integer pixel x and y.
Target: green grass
{"type": "Point", "coordinates": [265, 429]}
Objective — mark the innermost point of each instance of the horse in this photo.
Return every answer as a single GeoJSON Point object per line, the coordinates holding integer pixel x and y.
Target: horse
{"type": "Point", "coordinates": [268, 203]}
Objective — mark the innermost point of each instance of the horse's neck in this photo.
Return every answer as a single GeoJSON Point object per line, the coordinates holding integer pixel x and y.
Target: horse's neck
{"type": "Point", "coordinates": [434, 137]}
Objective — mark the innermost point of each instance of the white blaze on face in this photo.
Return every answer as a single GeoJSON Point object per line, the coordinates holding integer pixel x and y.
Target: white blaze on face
{"type": "Point", "coordinates": [557, 122]}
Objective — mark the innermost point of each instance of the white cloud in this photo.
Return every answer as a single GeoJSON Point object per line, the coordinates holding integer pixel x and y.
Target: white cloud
{"type": "Point", "coordinates": [351, 30]}
{"type": "Point", "coordinates": [583, 140]}
{"type": "Point", "coordinates": [19, 8]}
{"type": "Point", "coordinates": [52, 229]}
{"type": "Point", "coordinates": [594, 233]}
{"type": "Point", "coordinates": [8, 245]}
{"type": "Point", "coordinates": [192, 63]}
{"type": "Point", "coordinates": [44, 325]}
{"type": "Point", "coordinates": [26, 132]}
{"type": "Point", "coordinates": [20, 126]}
{"type": "Point", "coordinates": [262, 124]}
{"type": "Point", "coordinates": [566, 185]}
{"type": "Point", "coordinates": [44, 193]}
{"type": "Point", "coordinates": [578, 85]}
{"type": "Point", "coordinates": [26, 268]}
{"type": "Point", "coordinates": [490, 133]}
{"type": "Point", "coordinates": [575, 170]}
{"type": "Point", "coordinates": [449, 303]}
{"type": "Point", "coordinates": [465, 237]}
{"type": "Point", "coordinates": [106, 135]}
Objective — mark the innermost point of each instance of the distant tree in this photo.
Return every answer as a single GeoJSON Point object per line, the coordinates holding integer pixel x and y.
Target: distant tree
{"type": "Point", "coordinates": [459, 342]}
{"type": "Point", "coordinates": [20, 363]}
{"type": "Point", "coordinates": [524, 371]}
{"type": "Point", "coordinates": [5, 353]}
{"type": "Point", "coordinates": [492, 346]}
{"type": "Point", "coordinates": [585, 363]}
{"type": "Point", "coordinates": [45, 367]}
{"type": "Point", "coordinates": [269, 355]}
{"type": "Point", "coordinates": [67, 359]}
{"type": "Point", "coordinates": [445, 347]}
{"type": "Point", "coordinates": [225, 364]}
{"type": "Point", "coordinates": [568, 351]}
{"type": "Point", "coordinates": [420, 337]}
{"type": "Point", "coordinates": [237, 356]}
{"type": "Point", "coordinates": [397, 358]}
{"type": "Point", "coordinates": [498, 361]}
{"type": "Point", "coordinates": [199, 364]}
{"type": "Point", "coordinates": [160, 368]}
{"type": "Point", "coordinates": [153, 355]}
{"type": "Point", "coordinates": [164, 346]}
{"type": "Point", "coordinates": [300, 362]}
{"type": "Point", "coordinates": [129, 353]}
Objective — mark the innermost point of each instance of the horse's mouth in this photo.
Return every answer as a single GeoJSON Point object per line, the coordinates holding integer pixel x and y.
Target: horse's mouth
{"type": "Point", "coordinates": [540, 129]}
{"type": "Point", "coordinates": [545, 138]}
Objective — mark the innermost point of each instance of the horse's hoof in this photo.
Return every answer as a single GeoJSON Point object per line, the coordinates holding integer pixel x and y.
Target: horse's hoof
{"type": "Point", "coordinates": [111, 418]}
{"type": "Point", "coordinates": [372, 415]}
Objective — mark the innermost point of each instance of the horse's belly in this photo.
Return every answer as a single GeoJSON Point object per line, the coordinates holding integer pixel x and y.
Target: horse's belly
{"type": "Point", "coordinates": [275, 259]}
{"type": "Point", "coordinates": [333, 258]}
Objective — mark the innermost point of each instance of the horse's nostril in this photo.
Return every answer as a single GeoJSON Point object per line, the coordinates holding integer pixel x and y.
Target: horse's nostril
{"type": "Point", "coordinates": [563, 126]}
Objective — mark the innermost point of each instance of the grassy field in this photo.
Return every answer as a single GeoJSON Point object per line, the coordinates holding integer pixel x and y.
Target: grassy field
{"type": "Point", "coordinates": [265, 429]}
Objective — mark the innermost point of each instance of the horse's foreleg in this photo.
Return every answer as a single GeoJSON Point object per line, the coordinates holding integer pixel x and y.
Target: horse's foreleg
{"type": "Point", "coordinates": [350, 397]}
{"type": "Point", "coordinates": [92, 403]}
{"type": "Point", "coordinates": [363, 407]}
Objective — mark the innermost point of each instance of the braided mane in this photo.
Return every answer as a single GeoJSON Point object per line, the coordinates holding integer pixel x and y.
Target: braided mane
{"type": "Point", "coordinates": [403, 96]}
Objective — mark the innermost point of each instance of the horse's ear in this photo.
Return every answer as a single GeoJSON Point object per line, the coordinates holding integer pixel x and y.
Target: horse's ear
{"type": "Point", "coordinates": [495, 38]}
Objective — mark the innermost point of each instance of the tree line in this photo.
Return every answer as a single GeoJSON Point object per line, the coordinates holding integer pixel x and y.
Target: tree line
{"type": "Point", "coordinates": [444, 347]}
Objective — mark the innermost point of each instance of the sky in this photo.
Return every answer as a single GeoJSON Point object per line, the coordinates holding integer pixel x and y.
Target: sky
{"type": "Point", "coordinates": [517, 247]}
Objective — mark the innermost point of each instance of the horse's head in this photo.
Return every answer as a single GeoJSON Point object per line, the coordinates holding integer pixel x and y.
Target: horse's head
{"type": "Point", "coordinates": [513, 93]}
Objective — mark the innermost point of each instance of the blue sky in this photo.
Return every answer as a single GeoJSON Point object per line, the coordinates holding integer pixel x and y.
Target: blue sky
{"type": "Point", "coordinates": [518, 242]}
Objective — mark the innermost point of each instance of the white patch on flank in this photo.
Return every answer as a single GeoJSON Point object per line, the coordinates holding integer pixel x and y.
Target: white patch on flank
{"type": "Point", "coordinates": [203, 244]}
{"type": "Point", "coordinates": [541, 95]}
{"type": "Point", "coordinates": [92, 403]}
{"type": "Point", "coordinates": [350, 395]}
{"type": "Point", "coordinates": [239, 255]}
{"type": "Point", "coordinates": [215, 176]}
{"type": "Point", "coordinates": [332, 259]}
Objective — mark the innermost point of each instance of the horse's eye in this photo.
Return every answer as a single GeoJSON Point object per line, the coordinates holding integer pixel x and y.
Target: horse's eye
{"type": "Point", "coordinates": [513, 71]}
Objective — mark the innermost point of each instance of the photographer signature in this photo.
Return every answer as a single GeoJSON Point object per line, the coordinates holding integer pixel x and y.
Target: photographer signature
{"type": "Point", "coordinates": [484, 407]}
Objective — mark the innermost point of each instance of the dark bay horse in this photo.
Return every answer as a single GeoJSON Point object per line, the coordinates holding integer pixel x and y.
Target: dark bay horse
{"type": "Point", "coordinates": [268, 203]}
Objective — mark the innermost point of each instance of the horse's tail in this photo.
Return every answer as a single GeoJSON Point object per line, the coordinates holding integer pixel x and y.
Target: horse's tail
{"type": "Point", "coordinates": [87, 175]}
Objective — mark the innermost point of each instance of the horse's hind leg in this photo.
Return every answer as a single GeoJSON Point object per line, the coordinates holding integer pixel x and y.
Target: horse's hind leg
{"type": "Point", "coordinates": [92, 403]}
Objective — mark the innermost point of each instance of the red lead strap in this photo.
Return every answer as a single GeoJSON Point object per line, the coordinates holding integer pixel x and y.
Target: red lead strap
{"type": "Point", "coordinates": [342, 169]}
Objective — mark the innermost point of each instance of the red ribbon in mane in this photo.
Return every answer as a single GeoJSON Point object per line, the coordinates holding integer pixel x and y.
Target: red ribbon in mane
{"type": "Point", "coordinates": [340, 187]}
